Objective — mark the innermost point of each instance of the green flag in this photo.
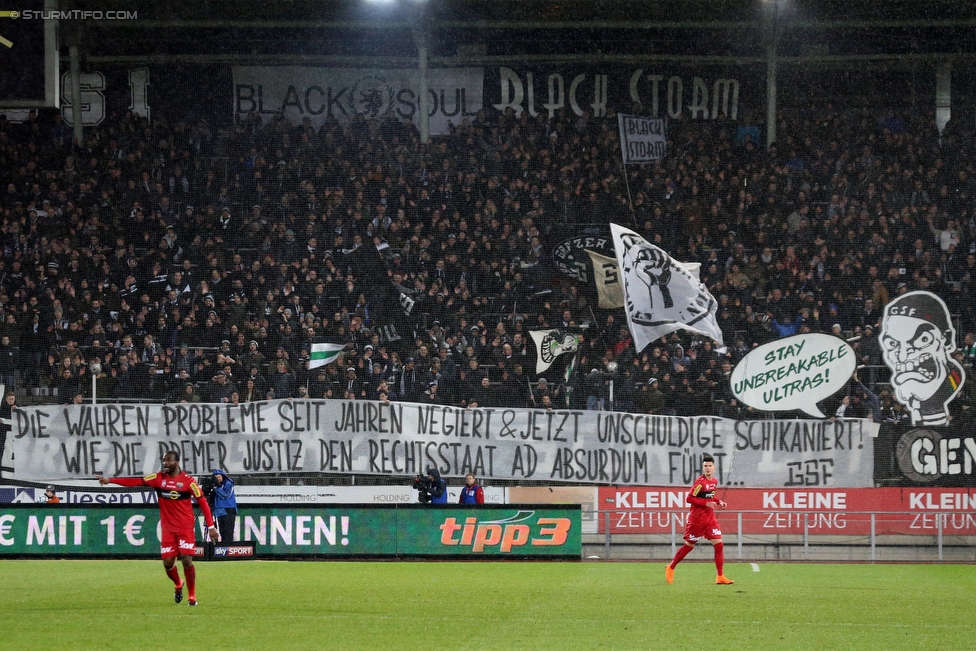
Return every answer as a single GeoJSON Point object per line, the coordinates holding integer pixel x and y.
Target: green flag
{"type": "Point", "coordinates": [323, 354]}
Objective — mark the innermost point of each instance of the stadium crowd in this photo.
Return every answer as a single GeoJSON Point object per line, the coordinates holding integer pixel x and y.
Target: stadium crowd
{"type": "Point", "coordinates": [199, 264]}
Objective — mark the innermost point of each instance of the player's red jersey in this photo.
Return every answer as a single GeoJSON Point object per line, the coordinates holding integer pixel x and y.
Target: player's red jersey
{"type": "Point", "coordinates": [175, 495]}
{"type": "Point", "coordinates": [702, 492]}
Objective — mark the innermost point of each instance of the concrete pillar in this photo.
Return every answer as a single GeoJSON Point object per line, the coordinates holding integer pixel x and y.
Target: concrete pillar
{"type": "Point", "coordinates": [423, 104]}
{"type": "Point", "coordinates": [943, 94]}
{"type": "Point", "coordinates": [771, 96]}
{"type": "Point", "coordinates": [76, 95]}
{"type": "Point", "coordinates": [774, 30]}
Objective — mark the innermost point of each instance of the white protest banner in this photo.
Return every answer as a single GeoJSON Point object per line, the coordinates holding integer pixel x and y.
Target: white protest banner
{"type": "Point", "coordinates": [917, 340]}
{"type": "Point", "coordinates": [300, 92]}
{"type": "Point", "coordinates": [642, 140]}
{"type": "Point", "coordinates": [362, 437]}
{"type": "Point", "coordinates": [794, 373]}
{"type": "Point", "coordinates": [661, 294]}
{"type": "Point", "coordinates": [551, 344]}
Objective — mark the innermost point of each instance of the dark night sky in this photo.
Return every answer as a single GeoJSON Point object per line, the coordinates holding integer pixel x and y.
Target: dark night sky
{"type": "Point", "coordinates": [443, 18]}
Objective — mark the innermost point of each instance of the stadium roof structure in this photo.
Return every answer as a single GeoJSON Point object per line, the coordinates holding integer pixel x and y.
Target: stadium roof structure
{"type": "Point", "coordinates": [480, 32]}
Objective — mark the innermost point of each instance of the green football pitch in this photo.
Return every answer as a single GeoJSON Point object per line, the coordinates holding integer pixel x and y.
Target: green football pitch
{"type": "Point", "coordinates": [413, 605]}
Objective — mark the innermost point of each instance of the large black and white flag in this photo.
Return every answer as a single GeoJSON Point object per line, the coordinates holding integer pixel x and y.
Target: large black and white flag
{"type": "Point", "coordinates": [393, 309]}
{"type": "Point", "coordinates": [661, 294]}
{"type": "Point", "coordinates": [610, 289]}
{"type": "Point", "coordinates": [551, 344]}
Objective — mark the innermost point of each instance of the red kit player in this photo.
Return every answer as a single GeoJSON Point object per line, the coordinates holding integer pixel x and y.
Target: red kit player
{"type": "Point", "coordinates": [701, 521]}
{"type": "Point", "coordinates": [175, 490]}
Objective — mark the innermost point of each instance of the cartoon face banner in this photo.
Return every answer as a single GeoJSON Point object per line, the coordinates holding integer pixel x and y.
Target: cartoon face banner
{"type": "Point", "coordinates": [661, 294]}
{"type": "Point", "coordinates": [917, 339]}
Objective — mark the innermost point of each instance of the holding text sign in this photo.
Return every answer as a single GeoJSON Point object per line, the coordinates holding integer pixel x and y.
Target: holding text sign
{"type": "Point", "coordinates": [793, 373]}
{"type": "Point", "coordinates": [642, 140]}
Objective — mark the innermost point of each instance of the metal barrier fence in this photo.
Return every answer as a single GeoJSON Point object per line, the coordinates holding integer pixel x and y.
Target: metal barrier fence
{"type": "Point", "coordinates": [882, 536]}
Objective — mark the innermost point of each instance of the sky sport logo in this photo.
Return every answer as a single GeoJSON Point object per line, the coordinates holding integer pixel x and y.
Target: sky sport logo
{"type": "Point", "coordinates": [234, 551]}
{"type": "Point", "coordinates": [70, 14]}
{"type": "Point", "coordinates": [506, 534]}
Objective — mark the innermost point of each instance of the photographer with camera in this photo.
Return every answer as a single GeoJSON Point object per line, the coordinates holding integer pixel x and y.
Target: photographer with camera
{"type": "Point", "coordinates": [430, 488]}
{"type": "Point", "coordinates": [225, 505]}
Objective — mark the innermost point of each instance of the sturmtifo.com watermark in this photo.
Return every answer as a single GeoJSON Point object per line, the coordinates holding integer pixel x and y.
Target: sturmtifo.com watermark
{"type": "Point", "coordinates": [70, 14]}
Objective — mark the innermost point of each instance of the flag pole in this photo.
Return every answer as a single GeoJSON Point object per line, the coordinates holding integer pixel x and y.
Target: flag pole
{"type": "Point", "coordinates": [623, 166]}
{"type": "Point", "coordinates": [570, 370]}
{"type": "Point", "coordinates": [630, 199]}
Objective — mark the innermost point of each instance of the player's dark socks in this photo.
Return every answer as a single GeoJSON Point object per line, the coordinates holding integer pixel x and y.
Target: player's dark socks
{"type": "Point", "coordinates": [719, 558]}
{"type": "Point", "coordinates": [682, 552]}
{"type": "Point", "coordinates": [174, 576]}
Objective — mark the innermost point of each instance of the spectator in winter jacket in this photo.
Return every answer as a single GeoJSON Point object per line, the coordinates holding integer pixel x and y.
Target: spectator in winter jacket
{"type": "Point", "coordinates": [787, 328]}
{"type": "Point", "coordinates": [220, 388]}
{"type": "Point", "coordinates": [284, 383]}
{"type": "Point", "coordinates": [9, 359]}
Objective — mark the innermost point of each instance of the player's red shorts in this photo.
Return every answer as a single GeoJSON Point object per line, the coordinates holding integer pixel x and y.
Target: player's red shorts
{"type": "Point", "coordinates": [177, 543]}
{"type": "Point", "coordinates": [695, 530]}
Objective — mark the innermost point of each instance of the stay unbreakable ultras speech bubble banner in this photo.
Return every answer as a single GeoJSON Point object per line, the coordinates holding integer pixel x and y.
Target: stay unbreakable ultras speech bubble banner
{"type": "Point", "coordinates": [72, 442]}
{"type": "Point", "coordinates": [794, 373]}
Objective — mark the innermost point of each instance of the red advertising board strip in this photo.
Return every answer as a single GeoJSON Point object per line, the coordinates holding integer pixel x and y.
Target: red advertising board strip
{"type": "Point", "coordinates": [911, 511]}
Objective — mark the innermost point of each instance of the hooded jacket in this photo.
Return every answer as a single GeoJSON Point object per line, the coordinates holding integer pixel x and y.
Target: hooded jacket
{"type": "Point", "coordinates": [438, 493]}
{"type": "Point", "coordinates": [224, 497]}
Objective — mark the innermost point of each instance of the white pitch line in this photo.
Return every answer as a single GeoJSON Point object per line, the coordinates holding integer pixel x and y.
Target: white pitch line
{"type": "Point", "coordinates": [755, 567]}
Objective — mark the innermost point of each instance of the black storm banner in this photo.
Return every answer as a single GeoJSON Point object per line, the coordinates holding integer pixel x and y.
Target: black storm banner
{"type": "Point", "coordinates": [707, 94]}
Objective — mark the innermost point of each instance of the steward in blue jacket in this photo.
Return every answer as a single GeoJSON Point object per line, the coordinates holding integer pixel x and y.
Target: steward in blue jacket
{"type": "Point", "coordinates": [472, 493]}
{"type": "Point", "coordinates": [225, 505]}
